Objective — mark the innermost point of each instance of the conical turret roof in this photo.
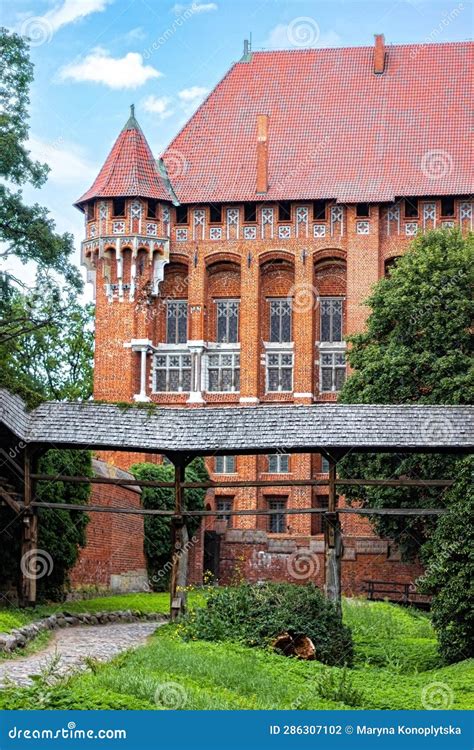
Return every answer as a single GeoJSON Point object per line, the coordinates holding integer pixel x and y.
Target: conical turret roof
{"type": "Point", "coordinates": [130, 169]}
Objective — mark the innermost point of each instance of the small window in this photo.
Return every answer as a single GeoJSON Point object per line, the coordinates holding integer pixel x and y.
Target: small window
{"type": "Point", "coordinates": [215, 214]}
{"type": "Point", "coordinates": [284, 211]}
{"type": "Point", "coordinates": [176, 321]}
{"type": "Point", "coordinates": [90, 211]}
{"type": "Point", "coordinates": [331, 319]}
{"type": "Point", "coordinates": [280, 320]}
{"type": "Point", "coordinates": [362, 210]}
{"type": "Point", "coordinates": [224, 372]}
{"type": "Point", "coordinates": [119, 206]}
{"type": "Point", "coordinates": [319, 210]}
{"type": "Point", "coordinates": [277, 521]}
{"type": "Point", "coordinates": [279, 371]}
{"type": "Point", "coordinates": [447, 206]}
{"type": "Point", "coordinates": [227, 321]}
{"type": "Point", "coordinates": [224, 465]}
{"type": "Point", "coordinates": [250, 212]}
{"type": "Point", "coordinates": [332, 371]}
{"type": "Point", "coordinates": [224, 506]}
{"type": "Point", "coordinates": [324, 465]}
{"type": "Point", "coordinates": [181, 214]}
{"type": "Point", "coordinates": [411, 208]}
{"type": "Point", "coordinates": [172, 373]}
{"type": "Point", "coordinates": [152, 208]}
{"type": "Point", "coordinates": [278, 463]}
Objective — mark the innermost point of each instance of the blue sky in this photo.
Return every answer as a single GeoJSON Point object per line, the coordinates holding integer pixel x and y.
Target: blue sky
{"type": "Point", "coordinates": [93, 58]}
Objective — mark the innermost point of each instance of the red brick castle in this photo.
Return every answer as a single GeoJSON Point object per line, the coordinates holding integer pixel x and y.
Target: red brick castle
{"type": "Point", "coordinates": [230, 270]}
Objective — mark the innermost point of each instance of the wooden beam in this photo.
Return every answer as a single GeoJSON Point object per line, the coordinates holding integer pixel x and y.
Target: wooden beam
{"type": "Point", "coordinates": [10, 501]}
{"type": "Point", "coordinates": [29, 536]}
{"type": "Point", "coordinates": [255, 512]}
{"type": "Point", "coordinates": [333, 542]}
{"type": "Point", "coordinates": [246, 484]}
{"type": "Point", "coordinates": [179, 538]}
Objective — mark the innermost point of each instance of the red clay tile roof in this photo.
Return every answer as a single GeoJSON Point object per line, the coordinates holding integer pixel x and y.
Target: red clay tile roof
{"type": "Point", "coordinates": [336, 130]}
{"type": "Point", "coordinates": [129, 170]}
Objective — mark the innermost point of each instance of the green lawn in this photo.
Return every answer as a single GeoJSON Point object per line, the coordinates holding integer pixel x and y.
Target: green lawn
{"type": "Point", "coordinates": [14, 618]}
{"type": "Point", "coordinates": [396, 659]}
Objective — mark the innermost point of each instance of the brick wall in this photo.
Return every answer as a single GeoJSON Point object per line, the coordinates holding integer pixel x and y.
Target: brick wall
{"type": "Point", "coordinates": [113, 556]}
{"type": "Point", "coordinates": [340, 255]}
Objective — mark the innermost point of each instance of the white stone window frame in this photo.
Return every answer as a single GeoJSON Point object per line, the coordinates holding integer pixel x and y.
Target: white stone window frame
{"type": "Point", "coordinates": [229, 466]}
{"type": "Point", "coordinates": [118, 227]}
{"type": "Point", "coordinates": [279, 349]}
{"type": "Point", "coordinates": [232, 220]}
{"type": "Point", "coordinates": [250, 233]}
{"type": "Point", "coordinates": [180, 311]}
{"type": "Point", "coordinates": [267, 218]}
{"type": "Point", "coordinates": [302, 219]}
{"type": "Point", "coordinates": [411, 228]}
{"type": "Point", "coordinates": [337, 217]}
{"type": "Point", "coordinates": [281, 463]}
{"type": "Point", "coordinates": [393, 214]}
{"type": "Point", "coordinates": [334, 352]}
{"type": "Point", "coordinates": [169, 351]}
{"type": "Point", "coordinates": [363, 227]}
{"type": "Point", "coordinates": [319, 230]}
{"type": "Point", "coordinates": [199, 221]}
{"type": "Point", "coordinates": [429, 213]}
{"type": "Point", "coordinates": [219, 351]}
{"type": "Point", "coordinates": [215, 233]}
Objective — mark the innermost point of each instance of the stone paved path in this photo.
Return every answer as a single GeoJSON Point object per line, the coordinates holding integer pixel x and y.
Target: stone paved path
{"type": "Point", "coordinates": [101, 642]}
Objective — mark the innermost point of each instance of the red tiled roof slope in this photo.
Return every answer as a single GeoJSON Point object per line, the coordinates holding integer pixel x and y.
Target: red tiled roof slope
{"type": "Point", "coordinates": [335, 129]}
{"type": "Point", "coordinates": [129, 170]}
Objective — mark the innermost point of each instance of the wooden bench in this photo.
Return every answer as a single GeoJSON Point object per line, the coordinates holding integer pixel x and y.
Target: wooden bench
{"type": "Point", "coordinates": [402, 593]}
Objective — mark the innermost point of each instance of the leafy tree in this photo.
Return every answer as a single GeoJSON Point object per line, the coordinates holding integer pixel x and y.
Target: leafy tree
{"type": "Point", "coordinates": [158, 545]}
{"type": "Point", "coordinates": [54, 358]}
{"type": "Point", "coordinates": [45, 334]}
{"type": "Point", "coordinates": [415, 349]}
{"type": "Point", "coordinates": [449, 572]}
{"type": "Point", "coordinates": [26, 232]}
{"type": "Point", "coordinates": [60, 532]}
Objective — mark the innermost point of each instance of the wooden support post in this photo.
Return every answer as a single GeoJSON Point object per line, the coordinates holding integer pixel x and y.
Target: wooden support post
{"type": "Point", "coordinates": [179, 544]}
{"type": "Point", "coordinates": [29, 538]}
{"type": "Point", "coordinates": [333, 542]}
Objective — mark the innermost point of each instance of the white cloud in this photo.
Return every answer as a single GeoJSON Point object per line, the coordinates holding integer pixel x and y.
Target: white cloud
{"type": "Point", "coordinates": [159, 105]}
{"type": "Point", "coordinates": [126, 72]}
{"type": "Point", "coordinates": [194, 7]}
{"type": "Point", "coordinates": [66, 160]}
{"type": "Point", "coordinates": [306, 35]}
{"type": "Point", "coordinates": [137, 33]}
{"type": "Point", "coordinates": [65, 13]}
{"type": "Point", "coordinates": [193, 94]}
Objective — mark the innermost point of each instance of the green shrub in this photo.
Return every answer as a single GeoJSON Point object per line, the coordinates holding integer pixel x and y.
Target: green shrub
{"type": "Point", "coordinates": [338, 685]}
{"type": "Point", "coordinates": [450, 570]}
{"type": "Point", "coordinates": [256, 614]}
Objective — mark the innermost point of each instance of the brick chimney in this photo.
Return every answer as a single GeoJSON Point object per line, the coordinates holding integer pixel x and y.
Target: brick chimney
{"type": "Point", "coordinates": [379, 54]}
{"type": "Point", "coordinates": [262, 153]}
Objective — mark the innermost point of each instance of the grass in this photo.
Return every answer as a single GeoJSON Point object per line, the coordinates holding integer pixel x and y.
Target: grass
{"type": "Point", "coordinates": [396, 660]}
{"type": "Point", "coordinates": [144, 603]}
